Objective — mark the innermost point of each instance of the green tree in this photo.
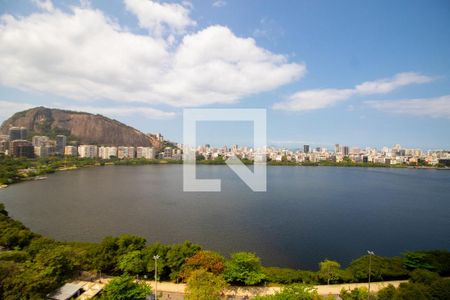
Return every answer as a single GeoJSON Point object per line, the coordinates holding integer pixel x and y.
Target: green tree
{"type": "Point", "coordinates": [293, 292]}
{"type": "Point", "coordinates": [408, 291]}
{"type": "Point", "coordinates": [383, 268]}
{"type": "Point", "coordinates": [244, 268]}
{"type": "Point", "coordinates": [386, 293]}
{"type": "Point", "coordinates": [160, 250]}
{"type": "Point", "coordinates": [417, 260]}
{"type": "Point", "coordinates": [59, 262]}
{"type": "Point", "coordinates": [126, 243]}
{"type": "Point", "coordinates": [125, 288]}
{"type": "Point", "coordinates": [132, 262]}
{"type": "Point", "coordinates": [288, 276]}
{"type": "Point", "coordinates": [423, 276]}
{"type": "Point", "coordinates": [178, 254]}
{"type": "Point", "coordinates": [355, 294]}
{"type": "Point", "coordinates": [105, 255]}
{"type": "Point", "coordinates": [328, 270]}
{"type": "Point", "coordinates": [204, 285]}
{"type": "Point", "coordinates": [14, 255]}
{"type": "Point", "coordinates": [440, 289]}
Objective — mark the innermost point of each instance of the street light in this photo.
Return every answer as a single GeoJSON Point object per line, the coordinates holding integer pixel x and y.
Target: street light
{"type": "Point", "coordinates": [156, 257]}
{"type": "Point", "coordinates": [370, 266]}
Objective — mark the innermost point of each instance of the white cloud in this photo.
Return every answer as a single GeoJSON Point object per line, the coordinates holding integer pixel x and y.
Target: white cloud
{"type": "Point", "coordinates": [387, 85]}
{"type": "Point", "coordinates": [82, 54]}
{"type": "Point", "coordinates": [215, 66]}
{"type": "Point", "coordinates": [322, 98]}
{"type": "Point", "coordinates": [44, 4]}
{"type": "Point", "coordinates": [8, 108]}
{"type": "Point", "coordinates": [430, 107]}
{"type": "Point", "coordinates": [219, 3]}
{"type": "Point", "coordinates": [314, 99]}
{"type": "Point", "coordinates": [160, 17]}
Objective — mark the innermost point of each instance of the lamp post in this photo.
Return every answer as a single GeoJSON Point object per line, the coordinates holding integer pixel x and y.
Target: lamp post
{"type": "Point", "coordinates": [370, 271]}
{"type": "Point", "coordinates": [156, 257]}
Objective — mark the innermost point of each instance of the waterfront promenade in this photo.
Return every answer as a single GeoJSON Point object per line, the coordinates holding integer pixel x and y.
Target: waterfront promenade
{"type": "Point", "coordinates": [175, 291]}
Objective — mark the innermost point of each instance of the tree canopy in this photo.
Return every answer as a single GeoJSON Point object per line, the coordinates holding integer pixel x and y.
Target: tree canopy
{"type": "Point", "coordinates": [125, 288]}
{"type": "Point", "coordinates": [204, 285]}
{"type": "Point", "coordinates": [244, 268]}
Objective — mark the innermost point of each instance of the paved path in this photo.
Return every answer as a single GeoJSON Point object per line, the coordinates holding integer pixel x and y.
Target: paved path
{"type": "Point", "coordinates": [335, 289]}
{"type": "Point", "coordinates": [332, 289]}
{"type": "Point", "coordinates": [174, 291]}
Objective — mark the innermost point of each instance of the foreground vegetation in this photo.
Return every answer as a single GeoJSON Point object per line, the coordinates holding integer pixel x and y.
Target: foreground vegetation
{"type": "Point", "coordinates": [31, 266]}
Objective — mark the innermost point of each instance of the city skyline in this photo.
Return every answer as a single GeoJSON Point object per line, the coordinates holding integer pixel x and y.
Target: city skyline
{"type": "Point", "coordinates": [17, 144]}
{"type": "Point", "coordinates": [372, 74]}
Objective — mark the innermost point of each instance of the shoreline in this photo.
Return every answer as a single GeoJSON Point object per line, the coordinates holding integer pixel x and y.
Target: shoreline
{"type": "Point", "coordinates": [78, 163]}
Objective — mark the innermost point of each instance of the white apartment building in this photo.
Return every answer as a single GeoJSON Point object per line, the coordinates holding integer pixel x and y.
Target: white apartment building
{"type": "Point", "coordinates": [39, 141]}
{"type": "Point", "coordinates": [145, 152]}
{"type": "Point", "coordinates": [107, 152]}
{"type": "Point", "coordinates": [87, 151]}
{"type": "Point", "coordinates": [124, 152]}
{"type": "Point", "coordinates": [70, 151]}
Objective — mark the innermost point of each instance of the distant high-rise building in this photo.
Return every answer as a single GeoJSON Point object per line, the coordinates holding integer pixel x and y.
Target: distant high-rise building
{"type": "Point", "coordinates": [87, 151]}
{"type": "Point", "coordinates": [14, 133]}
{"type": "Point", "coordinates": [103, 152]}
{"type": "Point", "coordinates": [21, 148]}
{"type": "Point", "coordinates": [140, 152]}
{"type": "Point", "coordinates": [306, 148]}
{"type": "Point", "coordinates": [125, 152]}
{"type": "Point", "coordinates": [122, 152]}
{"type": "Point", "coordinates": [39, 141]}
{"type": "Point", "coordinates": [131, 152]}
{"type": "Point", "coordinates": [4, 145]}
{"type": "Point", "coordinates": [70, 151]}
{"type": "Point", "coordinates": [345, 150]}
{"type": "Point", "coordinates": [168, 152]}
{"type": "Point", "coordinates": [61, 141]}
{"type": "Point", "coordinates": [145, 152]}
{"type": "Point", "coordinates": [40, 151]}
{"type": "Point", "coordinates": [107, 152]}
{"type": "Point", "coordinates": [17, 133]}
{"type": "Point", "coordinates": [337, 148]}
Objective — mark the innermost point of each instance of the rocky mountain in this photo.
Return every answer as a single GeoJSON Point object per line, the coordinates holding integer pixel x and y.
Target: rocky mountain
{"type": "Point", "coordinates": [83, 127]}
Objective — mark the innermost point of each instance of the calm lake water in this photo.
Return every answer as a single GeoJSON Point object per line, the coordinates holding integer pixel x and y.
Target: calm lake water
{"type": "Point", "coordinates": [307, 214]}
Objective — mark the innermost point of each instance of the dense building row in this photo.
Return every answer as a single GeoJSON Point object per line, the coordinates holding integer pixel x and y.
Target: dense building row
{"type": "Point", "coordinates": [123, 152]}
{"type": "Point", "coordinates": [391, 156]}
{"type": "Point", "coordinates": [16, 144]}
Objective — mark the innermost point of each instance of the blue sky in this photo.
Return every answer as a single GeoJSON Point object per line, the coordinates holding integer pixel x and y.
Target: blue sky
{"type": "Point", "coordinates": [360, 73]}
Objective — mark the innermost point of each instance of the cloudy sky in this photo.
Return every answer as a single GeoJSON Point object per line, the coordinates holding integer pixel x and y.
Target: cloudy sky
{"type": "Point", "coordinates": [361, 73]}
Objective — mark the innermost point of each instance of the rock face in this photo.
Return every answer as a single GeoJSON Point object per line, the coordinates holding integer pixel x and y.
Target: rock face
{"type": "Point", "coordinates": [83, 127]}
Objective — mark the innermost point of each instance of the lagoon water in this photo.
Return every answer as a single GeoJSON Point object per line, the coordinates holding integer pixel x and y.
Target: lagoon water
{"type": "Point", "coordinates": [308, 213]}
